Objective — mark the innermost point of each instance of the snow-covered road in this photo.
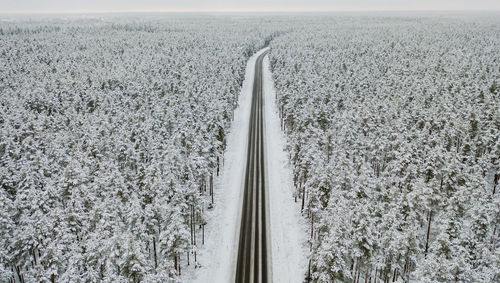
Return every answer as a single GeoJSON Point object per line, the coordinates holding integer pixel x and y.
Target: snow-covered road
{"type": "Point", "coordinates": [217, 258]}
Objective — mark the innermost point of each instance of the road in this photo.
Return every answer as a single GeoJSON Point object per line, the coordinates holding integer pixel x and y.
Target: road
{"type": "Point", "coordinates": [252, 249]}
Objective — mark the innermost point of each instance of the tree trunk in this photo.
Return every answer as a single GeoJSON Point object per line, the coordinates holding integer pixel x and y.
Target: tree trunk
{"type": "Point", "coordinates": [218, 166]}
{"type": "Point", "coordinates": [191, 224]}
{"type": "Point", "coordinates": [303, 199]}
{"type": "Point", "coordinates": [102, 270]}
{"type": "Point", "coordinates": [281, 118]}
{"type": "Point", "coordinates": [176, 264]}
{"type": "Point", "coordinates": [405, 267]}
{"type": "Point", "coordinates": [309, 271]}
{"type": "Point", "coordinates": [353, 270]}
{"type": "Point", "coordinates": [394, 277]}
{"type": "Point", "coordinates": [493, 240]}
{"type": "Point", "coordinates": [19, 275]}
{"type": "Point", "coordinates": [212, 186]}
{"type": "Point", "coordinates": [154, 251]}
{"type": "Point", "coordinates": [194, 233]}
{"type": "Point", "coordinates": [295, 194]}
{"type": "Point", "coordinates": [428, 233]}
{"type": "Point", "coordinates": [495, 182]}
{"type": "Point", "coordinates": [312, 226]}
{"type": "Point", "coordinates": [34, 257]}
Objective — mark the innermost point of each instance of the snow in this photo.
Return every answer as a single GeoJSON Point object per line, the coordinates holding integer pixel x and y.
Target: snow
{"type": "Point", "coordinates": [218, 256]}
{"type": "Point", "coordinates": [287, 227]}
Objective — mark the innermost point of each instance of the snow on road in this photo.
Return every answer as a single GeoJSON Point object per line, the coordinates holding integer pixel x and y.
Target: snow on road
{"type": "Point", "coordinates": [218, 256]}
{"type": "Point", "coordinates": [287, 228]}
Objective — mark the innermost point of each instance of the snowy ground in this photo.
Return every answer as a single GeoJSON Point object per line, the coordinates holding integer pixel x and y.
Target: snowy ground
{"type": "Point", "coordinates": [287, 229]}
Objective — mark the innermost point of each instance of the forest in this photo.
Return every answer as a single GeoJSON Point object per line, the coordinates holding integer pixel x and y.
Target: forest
{"type": "Point", "coordinates": [112, 131]}
{"type": "Point", "coordinates": [393, 129]}
{"type": "Point", "coordinates": [110, 136]}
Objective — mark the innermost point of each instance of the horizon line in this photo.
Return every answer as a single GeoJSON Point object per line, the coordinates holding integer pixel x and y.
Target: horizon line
{"type": "Point", "coordinates": [207, 11]}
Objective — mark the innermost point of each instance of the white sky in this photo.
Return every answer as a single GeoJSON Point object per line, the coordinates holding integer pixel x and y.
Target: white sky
{"type": "Point", "coordinates": [86, 6]}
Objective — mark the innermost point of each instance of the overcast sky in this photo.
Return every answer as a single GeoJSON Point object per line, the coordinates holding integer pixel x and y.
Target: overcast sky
{"type": "Point", "coordinates": [86, 6]}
